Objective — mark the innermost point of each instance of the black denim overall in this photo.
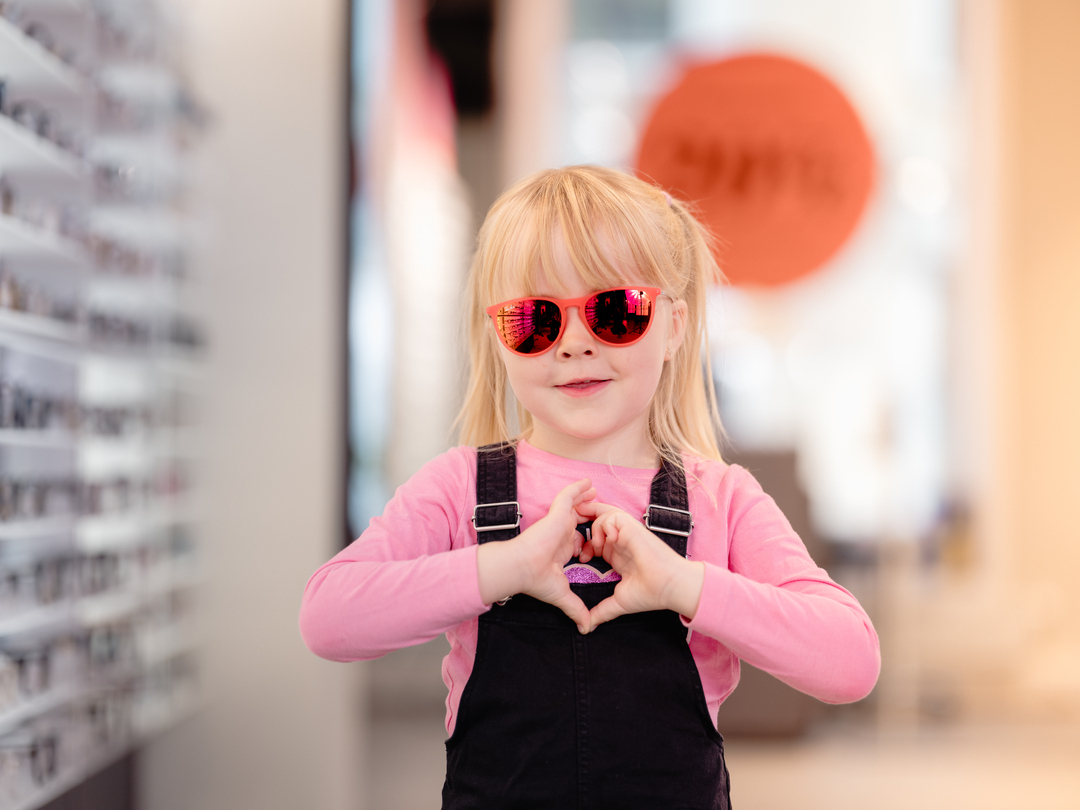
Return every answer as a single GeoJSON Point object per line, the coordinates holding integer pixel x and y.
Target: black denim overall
{"type": "Point", "coordinates": [550, 718]}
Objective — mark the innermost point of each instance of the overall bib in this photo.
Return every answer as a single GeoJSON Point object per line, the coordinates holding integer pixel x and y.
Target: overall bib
{"type": "Point", "coordinates": [550, 718]}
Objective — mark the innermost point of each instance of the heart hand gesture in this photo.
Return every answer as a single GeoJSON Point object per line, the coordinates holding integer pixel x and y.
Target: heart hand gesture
{"type": "Point", "coordinates": [532, 563]}
{"type": "Point", "coordinates": [654, 576]}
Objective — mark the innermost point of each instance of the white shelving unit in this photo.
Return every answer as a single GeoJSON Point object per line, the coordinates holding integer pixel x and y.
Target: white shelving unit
{"type": "Point", "coordinates": [38, 245]}
{"type": "Point", "coordinates": [27, 153]}
{"type": "Point", "coordinates": [99, 572]}
{"type": "Point", "coordinates": [26, 61]}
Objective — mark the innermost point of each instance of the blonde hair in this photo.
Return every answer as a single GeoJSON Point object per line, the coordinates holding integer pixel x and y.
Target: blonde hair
{"type": "Point", "coordinates": [605, 219]}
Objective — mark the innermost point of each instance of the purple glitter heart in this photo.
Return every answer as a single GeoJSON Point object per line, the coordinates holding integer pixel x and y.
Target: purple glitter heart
{"type": "Point", "coordinates": [584, 574]}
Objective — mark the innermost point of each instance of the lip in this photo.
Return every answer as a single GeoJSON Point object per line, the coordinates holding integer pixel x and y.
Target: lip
{"type": "Point", "coordinates": [584, 387]}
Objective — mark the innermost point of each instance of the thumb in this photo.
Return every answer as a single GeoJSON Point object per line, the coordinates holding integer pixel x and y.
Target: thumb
{"type": "Point", "coordinates": [571, 604]}
{"type": "Point", "coordinates": [605, 611]}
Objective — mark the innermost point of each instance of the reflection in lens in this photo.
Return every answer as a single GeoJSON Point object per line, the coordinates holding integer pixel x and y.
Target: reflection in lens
{"type": "Point", "coordinates": [619, 316]}
{"type": "Point", "coordinates": [529, 326]}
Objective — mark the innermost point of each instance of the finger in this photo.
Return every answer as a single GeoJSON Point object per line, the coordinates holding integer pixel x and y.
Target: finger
{"type": "Point", "coordinates": [586, 552]}
{"type": "Point", "coordinates": [570, 495]}
{"type": "Point", "coordinates": [571, 604]}
{"type": "Point", "coordinates": [596, 541]}
{"type": "Point", "coordinates": [586, 496]}
{"type": "Point", "coordinates": [604, 612]}
{"type": "Point", "coordinates": [607, 532]}
{"type": "Point", "coordinates": [609, 546]}
{"type": "Point", "coordinates": [590, 509]}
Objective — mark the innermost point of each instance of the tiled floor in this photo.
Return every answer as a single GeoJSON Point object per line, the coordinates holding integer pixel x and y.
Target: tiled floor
{"type": "Point", "coordinates": [953, 767]}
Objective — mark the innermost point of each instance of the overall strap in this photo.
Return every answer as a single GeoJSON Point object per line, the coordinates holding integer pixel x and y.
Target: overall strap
{"type": "Point", "coordinates": [668, 514]}
{"type": "Point", "coordinates": [497, 515]}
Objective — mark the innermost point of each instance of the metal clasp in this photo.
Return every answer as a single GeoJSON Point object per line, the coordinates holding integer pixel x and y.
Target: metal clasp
{"type": "Point", "coordinates": [501, 526]}
{"type": "Point", "coordinates": [649, 526]}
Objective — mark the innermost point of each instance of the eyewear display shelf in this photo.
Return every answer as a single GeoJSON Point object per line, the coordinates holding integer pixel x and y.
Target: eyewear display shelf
{"type": "Point", "coordinates": [98, 386]}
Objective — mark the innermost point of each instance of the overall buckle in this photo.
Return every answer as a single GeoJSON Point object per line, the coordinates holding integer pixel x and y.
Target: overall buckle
{"type": "Point", "coordinates": [501, 526]}
{"type": "Point", "coordinates": [649, 526]}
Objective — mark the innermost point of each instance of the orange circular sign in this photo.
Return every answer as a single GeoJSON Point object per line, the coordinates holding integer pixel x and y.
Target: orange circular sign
{"type": "Point", "coordinates": [773, 153]}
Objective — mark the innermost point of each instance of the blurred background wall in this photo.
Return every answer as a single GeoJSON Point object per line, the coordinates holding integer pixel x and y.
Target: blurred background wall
{"type": "Point", "coordinates": [1039, 389]}
{"type": "Point", "coordinates": [280, 726]}
{"type": "Point", "coordinates": [1000, 617]}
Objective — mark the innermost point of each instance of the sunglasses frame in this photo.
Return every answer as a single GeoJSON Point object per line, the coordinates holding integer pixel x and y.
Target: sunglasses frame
{"type": "Point", "coordinates": [564, 304]}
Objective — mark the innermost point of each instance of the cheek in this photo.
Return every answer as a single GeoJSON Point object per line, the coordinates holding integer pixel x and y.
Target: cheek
{"type": "Point", "coordinates": [654, 371]}
{"type": "Point", "coordinates": [647, 366]}
{"type": "Point", "coordinates": [648, 355]}
{"type": "Point", "coordinates": [522, 372]}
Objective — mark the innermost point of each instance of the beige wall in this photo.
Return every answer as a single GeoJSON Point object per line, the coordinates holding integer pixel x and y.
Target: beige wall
{"type": "Point", "coordinates": [1003, 625]}
{"type": "Point", "coordinates": [280, 728]}
{"type": "Point", "coordinates": [1040, 311]}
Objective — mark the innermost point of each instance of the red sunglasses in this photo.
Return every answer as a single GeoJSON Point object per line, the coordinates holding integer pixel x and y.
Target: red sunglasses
{"type": "Point", "coordinates": [618, 317]}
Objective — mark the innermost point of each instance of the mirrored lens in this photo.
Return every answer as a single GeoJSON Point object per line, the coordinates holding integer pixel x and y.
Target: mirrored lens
{"type": "Point", "coordinates": [619, 316]}
{"type": "Point", "coordinates": [529, 326]}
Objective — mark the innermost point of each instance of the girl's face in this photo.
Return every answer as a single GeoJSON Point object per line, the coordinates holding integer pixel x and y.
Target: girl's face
{"type": "Point", "coordinates": [590, 400]}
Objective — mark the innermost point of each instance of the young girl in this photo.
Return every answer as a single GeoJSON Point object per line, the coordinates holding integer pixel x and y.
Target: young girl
{"type": "Point", "coordinates": [600, 572]}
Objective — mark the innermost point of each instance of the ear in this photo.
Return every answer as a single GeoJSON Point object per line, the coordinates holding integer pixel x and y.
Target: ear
{"type": "Point", "coordinates": [677, 328]}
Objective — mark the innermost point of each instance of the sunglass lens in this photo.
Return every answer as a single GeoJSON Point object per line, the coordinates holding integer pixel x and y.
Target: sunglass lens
{"type": "Point", "coordinates": [619, 316]}
{"type": "Point", "coordinates": [529, 326]}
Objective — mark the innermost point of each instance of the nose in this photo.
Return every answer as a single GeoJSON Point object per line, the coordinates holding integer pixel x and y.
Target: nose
{"type": "Point", "coordinates": [577, 339]}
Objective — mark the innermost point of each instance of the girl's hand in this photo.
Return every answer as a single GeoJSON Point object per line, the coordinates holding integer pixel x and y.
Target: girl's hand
{"type": "Point", "coordinates": [654, 576]}
{"type": "Point", "coordinates": [532, 563]}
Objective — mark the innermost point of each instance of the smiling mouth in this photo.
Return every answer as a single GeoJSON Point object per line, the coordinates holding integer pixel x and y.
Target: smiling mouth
{"type": "Point", "coordinates": [582, 386]}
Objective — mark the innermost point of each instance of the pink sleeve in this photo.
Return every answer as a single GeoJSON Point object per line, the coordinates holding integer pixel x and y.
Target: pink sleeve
{"type": "Point", "coordinates": [775, 609]}
{"type": "Point", "coordinates": [409, 577]}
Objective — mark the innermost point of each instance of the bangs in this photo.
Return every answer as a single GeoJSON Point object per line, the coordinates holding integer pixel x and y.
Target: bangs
{"type": "Point", "coordinates": [585, 221]}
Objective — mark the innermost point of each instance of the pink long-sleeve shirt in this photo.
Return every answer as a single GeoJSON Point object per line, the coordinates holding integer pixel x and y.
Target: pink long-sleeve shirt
{"type": "Point", "coordinates": [413, 575]}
